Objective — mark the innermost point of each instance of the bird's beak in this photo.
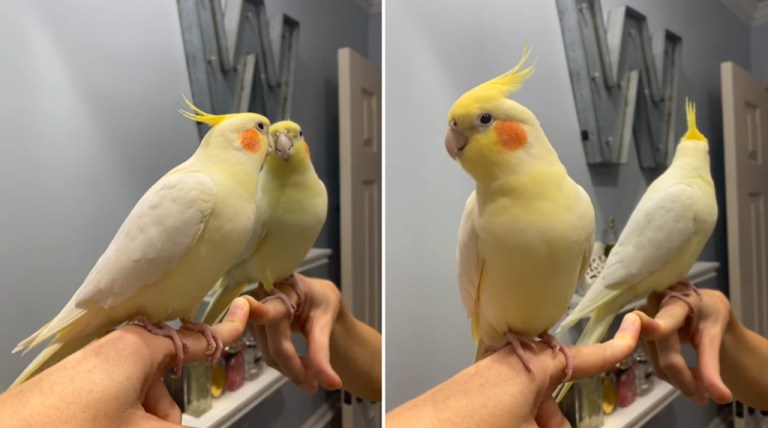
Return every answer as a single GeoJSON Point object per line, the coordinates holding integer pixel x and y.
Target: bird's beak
{"type": "Point", "coordinates": [284, 146]}
{"type": "Point", "coordinates": [455, 142]}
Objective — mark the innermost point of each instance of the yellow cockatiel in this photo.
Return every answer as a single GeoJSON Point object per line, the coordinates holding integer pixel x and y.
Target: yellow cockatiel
{"type": "Point", "coordinates": [186, 231]}
{"type": "Point", "coordinates": [292, 204]}
{"type": "Point", "coordinates": [526, 234]}
{"type": "Point", "coordinates": [662, 240]}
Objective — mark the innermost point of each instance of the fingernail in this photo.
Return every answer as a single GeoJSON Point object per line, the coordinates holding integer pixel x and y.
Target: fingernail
{"type": "Point", "coordinates": [628, 323]}
{"type": "Point", "coordinates": [235, 308]}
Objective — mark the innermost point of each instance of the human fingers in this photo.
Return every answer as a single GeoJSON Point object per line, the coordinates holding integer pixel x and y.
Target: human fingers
{"type": "Point", "coordinates": [158, 402]}
{"type": "Point", "coordinates": [592, 360]}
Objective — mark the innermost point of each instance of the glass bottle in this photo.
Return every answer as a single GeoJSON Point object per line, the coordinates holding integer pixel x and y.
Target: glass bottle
{"type": "Point", "coordinates": [609, 236]}
{"type": "Point", "coordinates": [192, 390]}
{"type": "Point", "coordinates": [197, 385]}
{"type": "Point", "coordinates": [610, 393]}
{"type": "Point", "coordinates": [589, 411]}
{"type": "Point", "coordinates": [235, 366]}
{"type": "Point", "coordinates": [625, 383]}
{"type": "Point", "coordinates": [218, 377]}
{"type": "Point", "coordinates": [175, 386]}
{"type": "Point", "coordinates": [252, 354]}
{"type": "Point", "coordinates": [644, 373]}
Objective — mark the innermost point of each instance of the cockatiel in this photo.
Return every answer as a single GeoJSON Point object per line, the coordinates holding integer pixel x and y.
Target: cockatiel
{"type": "Point", "coordinates": [526, 234]}
{"type": "Point", "coordinates": [181, 236]}
{"type": "Point", "coordinates": [292, 204]}
{"type": "Point", "coordinates": [661, 242]}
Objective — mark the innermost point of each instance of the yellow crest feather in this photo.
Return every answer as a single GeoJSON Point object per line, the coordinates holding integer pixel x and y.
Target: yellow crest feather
{"type": "Point", "coordinates": [513, 79]}
{"type": "Point", "coordinates": [690, 114]}
{"type": "Point", "coordinates": [201, 116]}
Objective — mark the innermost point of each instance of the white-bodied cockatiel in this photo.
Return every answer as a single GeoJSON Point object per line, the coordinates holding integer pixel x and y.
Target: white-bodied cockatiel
{"type": "Point", "coordinates": [292, 204]}
{"type": "Point", "coordinates": [184, 233]}
{"type": "Point", "coordinates": [662, 239]}
{"type": "Point", "coordinates": [527, 230]}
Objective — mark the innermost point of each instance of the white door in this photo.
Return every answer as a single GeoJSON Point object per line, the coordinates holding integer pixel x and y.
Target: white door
{"type": "Point", "coordinates": [360, 183]}
{"type": "Point", "coordinates": [745, 127]}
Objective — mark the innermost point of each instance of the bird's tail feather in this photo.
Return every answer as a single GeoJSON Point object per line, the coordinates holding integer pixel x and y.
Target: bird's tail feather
{"type": "Point", "coordinates": [596, 328]}
{"type": "Point", "coordinates": [226, 292]}
{"type": "Point", "coordinates": [62, 346]}
{"type": "Point", "coordinates": [480, 354]}
{"type": "Point", "coordinates": [25, 344]}
{"type": "Point", "coordinates": [68, 316]}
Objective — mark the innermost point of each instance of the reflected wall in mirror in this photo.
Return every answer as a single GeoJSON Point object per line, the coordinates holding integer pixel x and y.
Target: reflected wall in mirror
{"type": "Point", "coordinates": [624, 83]}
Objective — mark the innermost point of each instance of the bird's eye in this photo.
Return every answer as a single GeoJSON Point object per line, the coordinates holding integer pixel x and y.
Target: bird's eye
{"type": "Point", "coordinates": [301, 134]}
{"type": "Point", "coordinates": [260, 125]}
{"type": "Point", "coordinates": [485, 119]}
{"type": "Point", "coordinates": [454, 124]}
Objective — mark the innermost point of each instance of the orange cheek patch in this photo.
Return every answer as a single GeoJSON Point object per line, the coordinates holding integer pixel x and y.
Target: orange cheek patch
{"type": "Point", "coordinates": [250, 140]}
{"type": "Point", "coordinates": [511, 135]}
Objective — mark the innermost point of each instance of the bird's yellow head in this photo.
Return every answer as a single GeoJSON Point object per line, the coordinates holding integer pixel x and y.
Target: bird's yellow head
{"type": "Point", "coordinates": [289, 140]}
{"type": "Point", "coordinates": [693, 132]}
{"type": "Point", "coordinates": [487, 128]}
{"type": "Point", "coordinates": [247, 133]}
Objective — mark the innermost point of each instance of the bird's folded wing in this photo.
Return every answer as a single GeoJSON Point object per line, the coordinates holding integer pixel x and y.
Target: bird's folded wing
{"type": "Point", "coordinates": [659, 229]}
{"type": "Point", "coordinates": [158, 233]}
{"type": "Point", "coordinates": [469, 259]}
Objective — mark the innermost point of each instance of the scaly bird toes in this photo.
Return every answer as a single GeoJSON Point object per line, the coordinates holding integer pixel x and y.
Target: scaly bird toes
{"type": "Point", "coordinates": [215, 346]}
{"type": "Point", "coordinates": [301, 295]}
{"type": "Point", "coordinates": [688, 290]}
{"type": "Point", "coordinates": [279, 295]}
{"type": "Point", "coordinates": [164, 330]}
{"type": "Point", "coordinates": [517, 343]}
{"type": "Point", "coordinates": [558, 346]}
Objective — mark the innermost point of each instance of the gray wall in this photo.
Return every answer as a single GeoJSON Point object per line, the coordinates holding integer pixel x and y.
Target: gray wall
{"type": "Point", "coordinates": [89, 122]}
{"type": "Point", "coordinates": [433, 57]}
{"type": "Point", "coordinates": [760, 51]}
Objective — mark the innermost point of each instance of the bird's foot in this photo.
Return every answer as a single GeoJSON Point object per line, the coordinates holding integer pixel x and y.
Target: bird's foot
{"type": "Point", "coordinates": [517, 343]}
{"type": "Point", "coordinates": [164, 330]}
{"type": "Point", "coordinates": [301, 296]}
{"type": "Point", "coordinates": [279, 295]}
{"type": "Point", "coordinates": [215, 346]}
{"type": "Point", "coordinates": [683, 291]}
{"type": "Point", "coordinates": [558, 346]}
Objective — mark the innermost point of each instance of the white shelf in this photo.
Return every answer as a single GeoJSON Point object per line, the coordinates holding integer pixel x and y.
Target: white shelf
{"type": "Point", "coordinates": [701, 271]}
{"type": "Point", "coordinates": [316, 257]}
{"type": "Point", "coordinates": [231, 406]}
{"type": "Point", "coordinates": [644, 408]}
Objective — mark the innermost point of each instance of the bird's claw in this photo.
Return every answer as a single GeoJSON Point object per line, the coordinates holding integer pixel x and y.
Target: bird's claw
{"type": "Point", "coordinates": [164, 330]}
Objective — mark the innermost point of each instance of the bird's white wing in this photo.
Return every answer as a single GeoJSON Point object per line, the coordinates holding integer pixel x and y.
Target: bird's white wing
{"type": "Point", "coordinates": [155, 237]}
{"type": "Point", "coordinates": [658, 230]}
{"type": "Point", "coordinates": [468, 253]}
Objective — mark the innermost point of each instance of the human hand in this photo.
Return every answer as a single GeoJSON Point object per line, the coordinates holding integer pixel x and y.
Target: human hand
{"type": "Point", "coordinates": [315, 322]}
{"type": "Point", "coordinates": [499, 392]}
{"type": "Point", "coordinates": [116, 380]}
{"type": "Point", "coordinates": [667, 326]}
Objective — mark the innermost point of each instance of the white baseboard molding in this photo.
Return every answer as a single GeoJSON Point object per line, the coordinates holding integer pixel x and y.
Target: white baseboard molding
{"type": "Point", "coordinates": [322, 415]}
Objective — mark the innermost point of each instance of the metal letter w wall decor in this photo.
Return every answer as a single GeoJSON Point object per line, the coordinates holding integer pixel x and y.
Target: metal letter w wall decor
{"type": "Point", "coordinates": [230, 57]}
{"type": "Point", "coordinates": [623, 84]}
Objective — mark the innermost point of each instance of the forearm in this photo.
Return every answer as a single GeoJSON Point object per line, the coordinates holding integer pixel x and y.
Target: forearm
{"type": "Point", "coordinates": [356, 356]}
{"type": "Point", "coordinates": [744, 364]}
{"type": "Point", "coordinates": [496, 392]}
